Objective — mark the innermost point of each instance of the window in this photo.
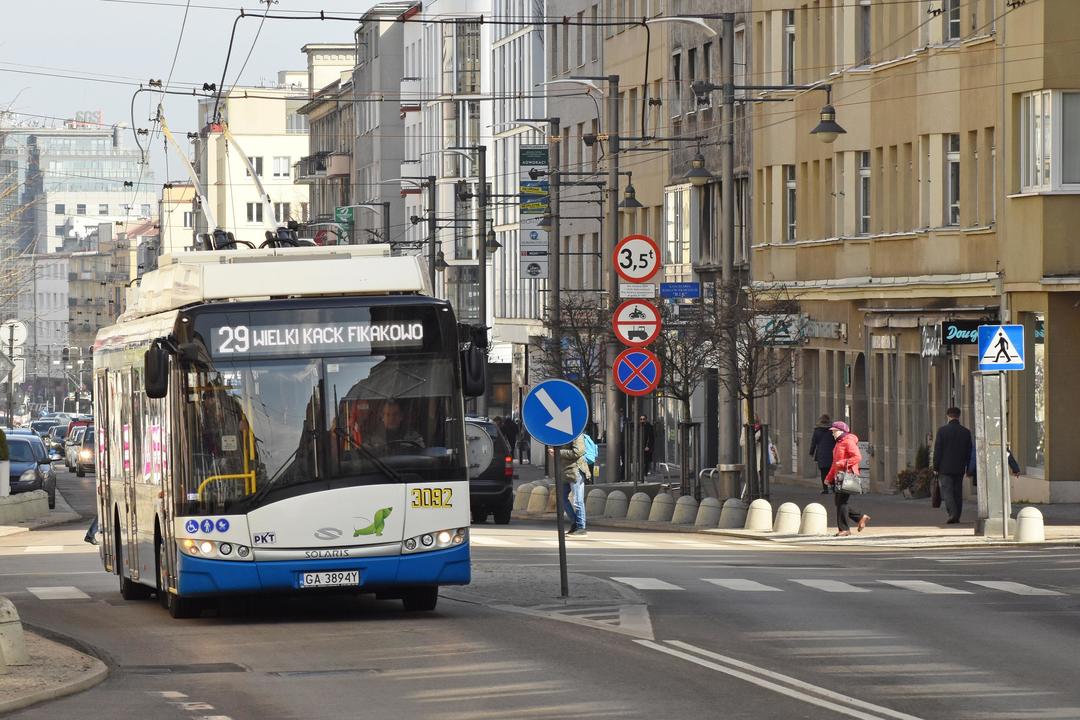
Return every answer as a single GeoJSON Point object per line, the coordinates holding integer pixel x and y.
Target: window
{"type": "Point", "coordinates": [554, 50]}
{"type": "Point", "coordinates": [566, 50]}
{"type": "Point", "coordinates": [303, 212]}
{"type": "Point", "coordinates": [864, 192]}
{"type": "Point", "coordinates": [281, 212]}
{"type": "Point", "coordinates": [952, 179]}
{"type": "Point", "coordinates": [254, 212]}
{"type": "Point", "coordinates": [58, 231]}
{"type": "Point", "coordinates": [80, 209]}
{"type": "Point", "coordinates": [59, 208]}
{"type": "Point", "coordinates": [257, 163]}
{"type": "Point", "coordinates": [789, 203]}
{"type": "Point", "coordinates": [145, 211]}
{"type": "Point", "coordinates": [679, 213]}
{"type": "Point", "coordinates": [691, 66]}
{"type": "Point", "coordinates": [281, 166]}
{"type": "Point", "coordinates": [862, 33]}
{"type": "Point", "coordinates": [951, 17]}
{"type": "Point", "coordinates": [1050, 140]}
{"type": "Point", "coordinates": [103, 209]}
{"type": "Point", "coordinates": [676, 84]}
{"type": "Point", "coordinates": [789, 47]}
{"type": "Point", "coordinates": [188, 219]}
{"type": "Point", "coordinates": [294, 121]}
{"type": "Point", "coordinates": [706, 61]}
{"type": "Point", "coordinates": [580, 37]}
{"type": "Point", "coordinates": [594, 33]}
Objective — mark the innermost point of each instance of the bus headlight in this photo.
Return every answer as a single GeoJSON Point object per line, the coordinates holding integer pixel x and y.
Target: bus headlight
{"type": "Point", "coordinates": [438, 540]}
{"type": "Point", "coordinates": [213, 549]}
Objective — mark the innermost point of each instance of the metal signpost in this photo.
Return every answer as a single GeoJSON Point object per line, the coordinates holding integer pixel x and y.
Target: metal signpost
{"type": "Point", "coordinates": [1001, 349]}
{"type": "Point", "coordinates": [13, 334]}
{"type": "Point", "coordinates": [554, 413]}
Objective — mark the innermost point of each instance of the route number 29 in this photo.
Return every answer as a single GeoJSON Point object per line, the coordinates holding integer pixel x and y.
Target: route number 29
{"type": "Point", "coordinates": [233, 339]}
{"type": "Point", "coordinates": [432, 497]}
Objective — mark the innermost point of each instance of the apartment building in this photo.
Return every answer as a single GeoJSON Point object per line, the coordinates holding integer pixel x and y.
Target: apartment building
{"type": "Point", "coordinates": [947, 203]}
{"type": "Point", "coordinates": [176, 217]}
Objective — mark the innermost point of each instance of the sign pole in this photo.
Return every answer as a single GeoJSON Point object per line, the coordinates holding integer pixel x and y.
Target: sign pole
{"type": "Point", "coordinates": [560, 522]}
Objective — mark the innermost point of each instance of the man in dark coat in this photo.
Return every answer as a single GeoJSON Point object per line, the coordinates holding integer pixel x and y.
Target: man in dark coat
{"type": "Point", "coordinates": [952, 451]}
{"type": "Point", "coordinates": [821, 447]}
{"type": "Point", "coordinates": [648, 444]}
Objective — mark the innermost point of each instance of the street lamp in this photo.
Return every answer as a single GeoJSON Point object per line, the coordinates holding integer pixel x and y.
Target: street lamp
{"type": "Point", "coordinates": [697, 174]}
{"type": "Point", "coordinates": [827, 129]}
{"type": "Point", "coordinates": [630, 202]}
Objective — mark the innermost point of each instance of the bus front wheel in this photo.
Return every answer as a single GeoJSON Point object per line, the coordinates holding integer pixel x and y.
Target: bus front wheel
{"type": "Point", "coordinates": [421, 599]}
{"type": "Point", "coordinates": [178, 607]}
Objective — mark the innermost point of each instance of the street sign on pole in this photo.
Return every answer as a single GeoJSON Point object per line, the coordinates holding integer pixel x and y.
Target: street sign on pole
{"type": "Point", "coordinates": [637, 258]}
{"type": "Point", "coordinates": [673, 290]}
{"type": "Point", "coordinates": [555, 412]}
{"type": "Point", "coordinates": [637, 290]}
{"type": "Point", "coordinates": [6, 366]}
{"type": "Point", "coordinates": [636, 323]}
{"type": "Point", "coordinates": [344, 215]}
{"type": "Point", "coordinates": [13, 333]}
{"type": "Point", "coordinates": [636, 372]}
{"type": "Point", "coordinates": [1001, 347]}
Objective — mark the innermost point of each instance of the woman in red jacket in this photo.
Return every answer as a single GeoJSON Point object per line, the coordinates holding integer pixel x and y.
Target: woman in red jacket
{"type": "Point", "coordinates": [846, 458]}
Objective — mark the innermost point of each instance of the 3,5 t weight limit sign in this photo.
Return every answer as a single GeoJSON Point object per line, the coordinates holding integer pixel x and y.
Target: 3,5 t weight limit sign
{"type": "Point", "coordinates": [637, 258]}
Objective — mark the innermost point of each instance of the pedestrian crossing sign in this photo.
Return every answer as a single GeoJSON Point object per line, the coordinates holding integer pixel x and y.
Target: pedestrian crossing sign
{"type": "Point", "coordinates": [1001, 347]}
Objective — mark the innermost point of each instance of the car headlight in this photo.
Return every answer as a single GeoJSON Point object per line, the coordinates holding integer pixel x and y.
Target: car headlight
{"type": "Point", "coordinates": [28, 475]}
{"type": "Point", "coordinates": [438, 540]}
{"type": "Point", "coordinates": [213, 549]}
{"type": "Point", "coordinates": [84, 454]}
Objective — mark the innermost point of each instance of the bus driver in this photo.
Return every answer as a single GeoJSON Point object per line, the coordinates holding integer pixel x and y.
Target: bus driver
{"type": "Point", "coordinates": [395, 430]}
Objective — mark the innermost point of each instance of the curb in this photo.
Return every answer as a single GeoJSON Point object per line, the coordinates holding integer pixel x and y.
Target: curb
{"type": "Point", "coordinates": [92, 677]}
{"type": "Point", "coordinates": [886, 542]}
{"type": "Point", "coordinates": [62, 514]}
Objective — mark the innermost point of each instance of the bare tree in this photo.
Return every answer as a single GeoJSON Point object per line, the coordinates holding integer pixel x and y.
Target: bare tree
{"type": "Point", "coordinates": [584, 329]}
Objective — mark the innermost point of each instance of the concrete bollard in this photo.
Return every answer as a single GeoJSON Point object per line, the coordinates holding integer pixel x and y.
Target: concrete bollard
{"type": "Point", "coordinates": [685, 510]}
{"type": "Point", "coordinates": [640, 505]}
{"type": "Point", "coordinates": [815, 520]}
{"type": "Point", "coordinates": [759, 516]}
{"type": "Point", "coordinates": [553, 498]}
{"type": "Point", "coordinates": [521, 495]}
{"type": "Point", "coordinates": [787, 520]}
{"type": "Point", "coordinates": [708, 513]}
{"type": "Point", "coordinates": [663, 508]}
{"type": "Point", "coordinates": [733, 514]}
{"type": "Point", "coordinates": [595, 502]}
{"type": "Point", "coordinates": [616, 505]}
{"type": "Point", "coordinates": [12, 645]}
{"type": "Point", "coordinates": [17, 508]}
{"type": "Point", "coordinates": [1029, 526]}
{"type": "Point", "coordinates": [538, 499]}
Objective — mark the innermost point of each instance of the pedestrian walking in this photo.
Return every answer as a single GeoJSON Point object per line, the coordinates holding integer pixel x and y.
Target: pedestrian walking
{"type": "Point", "coordinates": [952, 453]}
{"type": "Point", "coordinates": [91, 532]}
{"type": "Point", "coordinates": [821, 449]}
{"type": "Point", "coordinates": [510, 432]}
{"type": "Point", "coordinates": [575, 470]}
{"type": "Point", "coordinates": [846, 458]}
{"type": "Point", "coordinates": [523, 443]}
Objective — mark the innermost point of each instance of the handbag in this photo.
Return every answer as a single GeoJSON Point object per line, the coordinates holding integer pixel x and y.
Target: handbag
{"type": "Point", "coordinates": [935, 493]}
{"type": "Point", "coordinates": [851, 483]}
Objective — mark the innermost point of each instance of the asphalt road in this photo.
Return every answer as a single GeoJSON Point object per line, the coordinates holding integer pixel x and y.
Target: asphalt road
{"type": "Point", "coordinates": [733, 629]}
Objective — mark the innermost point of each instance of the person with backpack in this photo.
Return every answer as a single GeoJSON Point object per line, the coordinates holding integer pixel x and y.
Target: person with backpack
{"type": "Point", "coordinates": [575, 468]}
{"type": "Point", "coordinates": [592, 452]}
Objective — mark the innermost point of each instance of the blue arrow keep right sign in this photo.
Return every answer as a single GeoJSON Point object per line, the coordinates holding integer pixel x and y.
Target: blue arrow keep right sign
{"type": "Point", "coordinates": [555, 412]}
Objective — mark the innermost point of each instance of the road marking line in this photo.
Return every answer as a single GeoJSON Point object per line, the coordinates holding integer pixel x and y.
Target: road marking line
{"type": "Point", "coordinates": [43, 549]}
{"type": "Point", "coordinates": [170, 694]}
{"type": "Point", "coordinates": [64, 592]}
{"type": "Point", "coordinates": [798, 689]}
{"type": "Point", "coordinates": [481, 541]}
{"type": "Point", "coordinates": [1014, 587]}
{"type": "Point", "coordinates": [742, 585]}
{"type": "Point", "coordinates": [832, 586]}
{"type": "Point", "coordinates": [925, 587]}
{"type": "Point", "coordinates": [646, 583]}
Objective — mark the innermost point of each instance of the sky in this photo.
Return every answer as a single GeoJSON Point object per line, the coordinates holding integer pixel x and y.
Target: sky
{"type": "Point", "coordinates": [129, 41]}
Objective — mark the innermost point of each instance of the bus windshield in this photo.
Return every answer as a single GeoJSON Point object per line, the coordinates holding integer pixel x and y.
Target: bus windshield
{"type": "Point", "coordinates": [264, 430]}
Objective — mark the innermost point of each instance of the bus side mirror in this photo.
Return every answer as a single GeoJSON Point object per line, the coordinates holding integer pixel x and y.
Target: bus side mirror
{"type": "Point", "coordinates": [156, 376]}
{"type": "Point", "coordinates": [473, 372]}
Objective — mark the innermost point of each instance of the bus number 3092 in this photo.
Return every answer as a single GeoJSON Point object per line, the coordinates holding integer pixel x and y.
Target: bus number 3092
{"type": "Point", "coordinates": [432, 497]}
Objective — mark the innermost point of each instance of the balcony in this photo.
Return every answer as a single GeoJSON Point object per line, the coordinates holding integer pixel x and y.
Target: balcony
{"type": "Point", "coordinates": [311, 168]}
{"type": "Point", "coordinates": [338, 165]}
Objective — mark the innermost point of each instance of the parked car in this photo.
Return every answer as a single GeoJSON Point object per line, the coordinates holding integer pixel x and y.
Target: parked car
{"type": "Point", "coordinates": [87, 453]}
{"type": "Point", "coordinates": [72, 445]}
{"type": "Point", "coordinates": [54, 442]}
{"type": "Point", "coordinates": [491, 471]}
{"type": "Point", "coordinates": [30, 466]}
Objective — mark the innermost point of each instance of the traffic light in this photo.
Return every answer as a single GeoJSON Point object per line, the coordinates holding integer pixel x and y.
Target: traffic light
{"type": "Point", "coordinates": [65, 355]}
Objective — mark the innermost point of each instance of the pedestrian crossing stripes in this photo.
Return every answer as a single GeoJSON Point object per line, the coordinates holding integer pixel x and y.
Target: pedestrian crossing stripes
{"type": "Point", "coordinates": [64, 592]}
{"type": "Point", "coordinates": [835, 586]}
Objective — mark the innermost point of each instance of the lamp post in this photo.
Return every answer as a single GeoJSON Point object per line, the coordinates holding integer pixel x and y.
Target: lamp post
{"type": "Point", "coordinates": [827, 131]}
{"type": "Point", "coordinates": [385, 207]}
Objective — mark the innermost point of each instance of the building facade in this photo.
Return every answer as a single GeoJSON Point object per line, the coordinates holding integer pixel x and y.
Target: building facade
{"type": "Point", "coordinates": [267, 126]}
{"type": "Point", "coordinates": [42, 301]}
{"type": "Point", "coordinates": [947, 204]}
{"type": "Point", "coordinates": [176, 217]}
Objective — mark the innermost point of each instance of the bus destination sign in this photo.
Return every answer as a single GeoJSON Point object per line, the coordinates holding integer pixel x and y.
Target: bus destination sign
{"type": "Point", "coordinates": [295, 339]}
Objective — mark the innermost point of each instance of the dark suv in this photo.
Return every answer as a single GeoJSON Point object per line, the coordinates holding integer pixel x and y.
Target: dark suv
{"type": "Point", "coordinates": [491, 471]}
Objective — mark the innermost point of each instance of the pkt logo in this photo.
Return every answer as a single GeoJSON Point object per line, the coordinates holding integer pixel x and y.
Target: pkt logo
{"type": "Point", "coordinates": [266, 538]}
{"type": "Point", "coordinates": [327, 533]}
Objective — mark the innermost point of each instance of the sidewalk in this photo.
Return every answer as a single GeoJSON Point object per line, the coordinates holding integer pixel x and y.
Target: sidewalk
{"type": "Point", "coordinates": [60, 515]}
{"type": "Point", "coordinates": [55, 670]}
{"type": "Point", "coordinates": [895, 520]}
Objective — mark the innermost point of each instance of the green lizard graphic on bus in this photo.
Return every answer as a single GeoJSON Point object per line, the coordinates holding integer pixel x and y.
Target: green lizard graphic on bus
{"type": "Point", "coordinates": [377, 525]}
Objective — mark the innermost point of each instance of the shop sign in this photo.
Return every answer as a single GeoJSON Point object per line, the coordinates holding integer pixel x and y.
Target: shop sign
{"type": "Point", "coordinates": [960, 332]}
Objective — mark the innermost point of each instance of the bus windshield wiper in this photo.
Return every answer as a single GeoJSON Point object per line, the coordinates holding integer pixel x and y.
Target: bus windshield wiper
{"type": "Point", "coordinates": [262, 492]}
{"type": "Point", "coordinates": [375, 459]}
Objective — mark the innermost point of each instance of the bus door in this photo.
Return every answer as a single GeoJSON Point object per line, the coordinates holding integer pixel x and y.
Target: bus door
{"type": "Point", "coordinates": [101, 472]}
{"type": "Point", "coordinates": [127, 450]}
